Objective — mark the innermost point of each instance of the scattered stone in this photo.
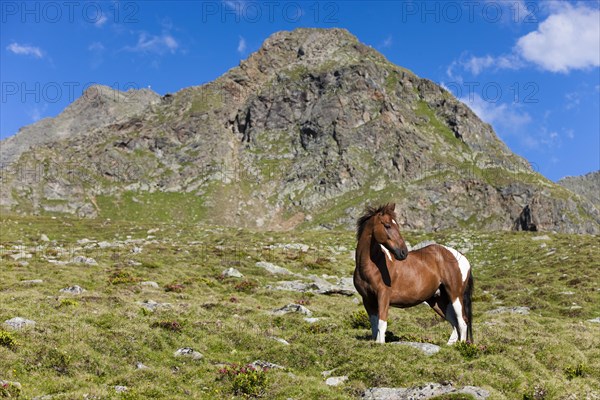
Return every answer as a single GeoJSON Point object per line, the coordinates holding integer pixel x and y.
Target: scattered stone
{"type": "Point", "coordinates": [73, 290]}
{"type": "Point", "coordinates": [121, 389]}
{"type": "Point", "coordinates": [543, 237]}
{"type": "Point", "coordinates": [84, 241]}
{"type": "Point", "coordinates": [325, 374]}
{"type": "Point", "coordinates": [10, 388]}
{"type": "Point", "coordinates": [595, 320]}
{"type": "Point", "coordinates": [420, 245]}
{"type": "Point", "coordinates": [151, 284]}
{"type": "Point", "coordinates": [136, 250]}
{"type": "Point", "coordinates": [20, 255]}
{"type": "Point", "coordinates": [152, 305]}
{"type": "Point", "coordinates": [19, 323]}
{"type": "Point", "coordinates": [510, 310]}
{"type": "Point", "coordinates": [311, 320]}
{"type": "Point", "coordinates": [266, 365]}
{"type": "Point", "coordinates": [83, 260]}
{"type": "Point", "coordinates": [273, 269]}
{"type": "Point", "coordinates": [32, 282]}
{"type": "Point", "coordinates": [232, 273]}
{"type": "Point", "coordinates": [336, 380]}
{"type": "Point", "coordinates": [44, 238]}
{"type": "Point", "coordinates": [426, 391]}
{"type": "Point", "coordinates": [280, 340]}
{"type": "Point", "coordinates": [139, 365]}
{"type": "Point", "coordinates": [293, 308]}
{"type": "Point", "coordinates": [188, 352]}
{"type": "Point", "coordinates": [427, 348]}
{"type": "Point", "coordinates": [105, 245]}
{"type": "Point", "coordinates": [344, 286]}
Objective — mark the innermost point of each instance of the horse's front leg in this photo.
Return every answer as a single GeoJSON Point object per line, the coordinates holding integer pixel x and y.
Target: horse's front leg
{"type": "Point", "coordinates": [383, 305]}
{"type": "Point", "coordinates": [372, 311]}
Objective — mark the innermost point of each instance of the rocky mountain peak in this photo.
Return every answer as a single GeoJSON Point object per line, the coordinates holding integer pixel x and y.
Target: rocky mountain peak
{"type": "Point", "coordinates": [304, 132]}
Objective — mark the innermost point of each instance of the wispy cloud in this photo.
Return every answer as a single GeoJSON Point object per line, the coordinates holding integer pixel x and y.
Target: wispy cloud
{"type": "Point", "coordinates": [37, 112]}
{"type": "Point", "coordinates": [238, 6]}
{"type": "Point", "coordinates": [506, 118]}
{"type": "Point", "coordinates": [25, 50]}
{"type": "Point", "coordinates": [387, 42]}
{"type": "Point", "coordinates": [97, 50]}
{"type": "Point", "coordinates": [101, 21]}
{"type": "Point", "coordinates": [241, 48]}
{"type": "Point", "coordinates": [157, 44]}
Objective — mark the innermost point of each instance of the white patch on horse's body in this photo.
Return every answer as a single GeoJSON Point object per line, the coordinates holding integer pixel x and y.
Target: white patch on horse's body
{"type": "Point", "coordinates": [437, 292]}
{"type": "Point", "coordinates": [463, 263]}
{"type": "Point", "coordinates": [394, 222]}
{"type": "Point", "coordinates": [381, 328]}
{"type": "Point", "coordinates": [386, 251]}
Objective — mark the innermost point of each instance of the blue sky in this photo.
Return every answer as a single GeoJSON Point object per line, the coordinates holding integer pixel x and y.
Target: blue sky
{"type": "Point", "coordinates": [529, 68]}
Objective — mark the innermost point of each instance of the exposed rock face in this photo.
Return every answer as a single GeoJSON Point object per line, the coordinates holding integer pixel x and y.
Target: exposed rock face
{"type": "Point", "coordinates": [97, 107]}
{"type": "Point", "coordinates": [587, 186]}
{"type": "Point", "coordinates": [304, 132]}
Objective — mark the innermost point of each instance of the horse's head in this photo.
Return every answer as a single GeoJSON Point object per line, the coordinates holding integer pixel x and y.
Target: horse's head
{"type": "Point", "coordinates": [387, 233]}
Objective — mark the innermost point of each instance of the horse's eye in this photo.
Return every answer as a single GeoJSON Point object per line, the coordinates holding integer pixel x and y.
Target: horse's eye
{"type": "Point", "coordinates": [387, 226]}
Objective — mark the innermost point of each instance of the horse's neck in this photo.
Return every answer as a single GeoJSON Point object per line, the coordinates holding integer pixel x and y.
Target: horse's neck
{"type": "Point", "coordinates": [367, 248]}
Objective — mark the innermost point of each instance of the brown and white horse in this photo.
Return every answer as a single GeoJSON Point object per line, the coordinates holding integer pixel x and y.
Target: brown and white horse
{"type": "Point", "coordinates": [387, 274]}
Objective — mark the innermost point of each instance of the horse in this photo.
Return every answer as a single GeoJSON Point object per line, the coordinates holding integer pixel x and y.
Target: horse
{"type": "Point", "coordinates": [387, 274]}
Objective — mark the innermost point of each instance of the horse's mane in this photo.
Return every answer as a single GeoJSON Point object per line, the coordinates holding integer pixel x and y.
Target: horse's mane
{"type": "Point", "coordinates": [369, 212]}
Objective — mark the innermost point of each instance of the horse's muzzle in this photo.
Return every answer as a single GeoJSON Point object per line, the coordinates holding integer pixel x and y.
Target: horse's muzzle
{"type": "Point", "coordinates": [400, 254]}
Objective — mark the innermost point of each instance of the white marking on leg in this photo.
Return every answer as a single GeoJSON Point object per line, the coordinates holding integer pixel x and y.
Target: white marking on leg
{"type": "Point", "coordinates": [462, 325]}
{"type": "Point", "coordinates": [386, 251]}
{"type": "Point", "coordinates": [382, 327]}
{"type": "Point", "coordinates": [453, 337]}
{"type": "Point", "coordinates": [451, 317]}
{"type": "Point", "coordinates": [463, 263]}
{"type": "Point", "coordinates": [374, 320]}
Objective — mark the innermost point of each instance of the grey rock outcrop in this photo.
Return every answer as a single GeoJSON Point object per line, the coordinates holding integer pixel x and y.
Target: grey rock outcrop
{"type": "Point", "coordinates": [303, 132]}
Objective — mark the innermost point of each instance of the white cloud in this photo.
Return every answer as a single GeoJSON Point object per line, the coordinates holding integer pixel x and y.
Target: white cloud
{"type": "Point", "coordinates": [568, 39]}
{"type": "Point", "coordinates": [155, 44]}
{"type": "Point", "coordinates": [241, 45]}
{"type": "Point", "coordinates": [25, 50]}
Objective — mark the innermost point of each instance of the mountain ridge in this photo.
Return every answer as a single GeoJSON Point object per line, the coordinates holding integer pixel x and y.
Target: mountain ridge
{"type": "Point", "coordinates": [302, 133]}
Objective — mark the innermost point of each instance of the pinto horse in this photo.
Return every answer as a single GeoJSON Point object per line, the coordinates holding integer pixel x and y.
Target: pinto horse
{"type": "Point", "coordinates": [387, 274]}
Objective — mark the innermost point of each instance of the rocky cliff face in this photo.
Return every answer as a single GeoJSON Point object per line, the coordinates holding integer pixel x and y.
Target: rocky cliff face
{"type": "Point", "coordinates": [587, 186]}
{"type": "Point", "coordinates": [99, 106]}
{"type": "Point", "coordinates": [303, 133]}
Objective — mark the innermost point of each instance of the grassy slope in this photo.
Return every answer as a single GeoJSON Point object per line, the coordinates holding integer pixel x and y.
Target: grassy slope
{"type": "Point", "coordinates": [91, 342]}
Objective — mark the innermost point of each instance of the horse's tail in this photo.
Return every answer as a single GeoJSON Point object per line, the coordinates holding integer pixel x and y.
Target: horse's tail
{"type": "Point", "coordinates": [468, 303]}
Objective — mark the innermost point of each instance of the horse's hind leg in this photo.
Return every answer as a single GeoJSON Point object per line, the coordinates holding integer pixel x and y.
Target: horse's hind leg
{"type": "Point", "coordinates": [457, 306]}
{"type": "Point", "coordinates": [440, 303]}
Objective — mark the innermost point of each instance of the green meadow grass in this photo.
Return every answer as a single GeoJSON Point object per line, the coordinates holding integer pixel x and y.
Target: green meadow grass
{"type": "Point", "coordinates": [87, 344]}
